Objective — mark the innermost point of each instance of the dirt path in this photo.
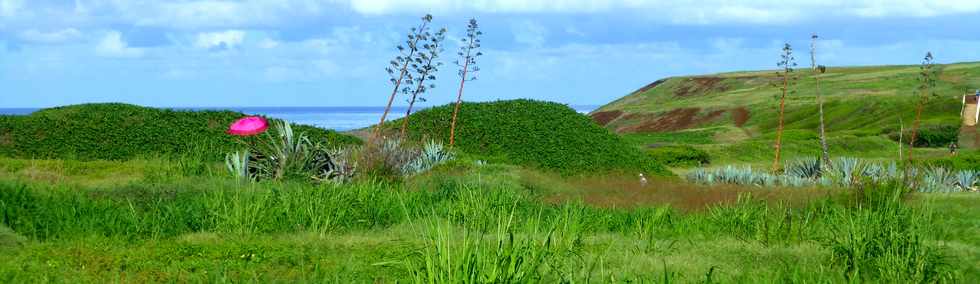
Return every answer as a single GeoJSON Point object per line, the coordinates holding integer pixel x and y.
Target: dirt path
{"type": "Point", "coordinates": [970, 113]}
{"type": "Point", "coordinates": [969, 137]}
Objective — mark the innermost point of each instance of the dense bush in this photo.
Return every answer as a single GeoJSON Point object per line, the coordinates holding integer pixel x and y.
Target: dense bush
{"type": "Point", "coordinates": [928, 136]}
{"type": "Point", "coordinates": [539, 134]}
{"type": "Point", "coordinates": [121, 131]}
{"type": "Point", "coordinates": [680, 156]}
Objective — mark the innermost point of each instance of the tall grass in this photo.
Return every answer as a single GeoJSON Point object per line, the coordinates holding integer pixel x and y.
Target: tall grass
{"type": "Point", "coordinates": [469, 230]}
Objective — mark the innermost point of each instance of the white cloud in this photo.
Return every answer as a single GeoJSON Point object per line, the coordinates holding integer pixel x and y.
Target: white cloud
{"type": "Point", "coordinates": [268, 43]}
{"type": "Point", "coordinates": [220, 40]}
{"type": "Point", "coordinates": [9, 8]}
{"type": "Point", "coordinates": [685, 12]}
{"type": "Point", "coordinates": [727, 44]}
{"type": "Point", "coordinates": [529, 33]}
{"type": "Point", "coordinates": [52, 37]}
{"type": "Point", "coordinates": [113, 45]}
{"type": "Point", "coordinates": [257, 14]}
{"type": "Point", "coordinates": [215, 13]}
{"type": "Point", "coordinates": [574, 31]}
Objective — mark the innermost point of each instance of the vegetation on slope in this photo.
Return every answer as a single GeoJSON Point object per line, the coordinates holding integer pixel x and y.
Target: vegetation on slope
{"type": "Point", "coordinates": [121, 131]}
{"type": "Point", "coordinates": [861, 101]}
{"type": "Point", "coordinates": [540, 134]}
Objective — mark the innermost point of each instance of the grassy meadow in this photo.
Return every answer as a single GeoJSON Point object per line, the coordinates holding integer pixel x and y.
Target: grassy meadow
{"type": "Point", "coordinates": [168, 220]}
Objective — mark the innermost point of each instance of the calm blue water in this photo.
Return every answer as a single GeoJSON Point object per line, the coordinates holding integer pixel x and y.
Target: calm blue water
{"type": "Point", "coordinates": [338, 118]}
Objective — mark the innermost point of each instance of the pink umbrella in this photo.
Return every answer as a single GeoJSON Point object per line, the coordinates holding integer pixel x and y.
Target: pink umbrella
{"type": "Point", "coordinates": [248, 126]}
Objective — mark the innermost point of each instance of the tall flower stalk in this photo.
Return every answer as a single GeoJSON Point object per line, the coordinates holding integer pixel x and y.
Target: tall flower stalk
{"type": "Point", "coordinates": [425, 68]}
{"type": "Point", "coordinates": [787, 62]}
{"type": "Point", "coordinates": [814, 68]}
{"type": "Point", "coordinates": [399, 66]}
{"type": "Point", "coordinates": [468, 52]}
{"type": "Point", "coordinates": [927, 84]}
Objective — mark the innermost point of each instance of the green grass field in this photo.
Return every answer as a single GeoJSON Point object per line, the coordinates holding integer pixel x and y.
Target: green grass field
{"type": "Point", "coordinates": [157, 221]}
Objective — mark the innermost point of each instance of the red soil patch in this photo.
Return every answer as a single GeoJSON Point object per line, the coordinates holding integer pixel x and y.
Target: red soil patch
{"type": "Point", "coordinates": [604, 117]}
{"type": "Point", "coordinates": [627, 192]}
{"type": "Point", "coordinates": [971, 99]}
{"type": "Point", "coordinates": [650, 86]}
{"type": "Point", "coordinates": [678, 119]}
{"type": "Point", "coordinates": [699, 86]}
{"type": "Point", "coordinates": [6, 139]}
{"type": "Point", "coordinates": [740, 115]}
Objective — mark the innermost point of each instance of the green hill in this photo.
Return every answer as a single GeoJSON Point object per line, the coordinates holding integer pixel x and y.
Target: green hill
{"type": "Point", "coordinates": [121, 131]}
{"type": "Point", "coordinates": [864, 107]}
{"type": "Point", "coordinates": [539, 134]}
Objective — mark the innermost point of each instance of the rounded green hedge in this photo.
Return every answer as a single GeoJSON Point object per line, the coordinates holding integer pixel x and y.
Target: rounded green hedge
{"type": "Point", "coordinates": [539, 134]}
{"type": "Point", "coordinates": [120, 131]}
{"type": "Point", "coordinates": [680, 156]}
{"type": "Point", "coordinates": [928, 135]}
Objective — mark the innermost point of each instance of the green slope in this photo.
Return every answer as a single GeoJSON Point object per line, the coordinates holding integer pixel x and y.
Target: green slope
{"type": "Point", "coordinates": [121, 131]}
{"type": "Point", "coordinates": [539, 134]}
{"type": "Point", "coordinates": [862, 103]}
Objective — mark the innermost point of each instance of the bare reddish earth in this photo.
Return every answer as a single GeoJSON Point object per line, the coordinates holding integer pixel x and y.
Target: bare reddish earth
{"type": "Point", "coordinates": [740, 116]}
{"type": "Point", "coordinates": [678, 119]}
{"type": "Point", "coordinates": [699, 86]}
{"type": "Point", "coordinates": [604, 117]}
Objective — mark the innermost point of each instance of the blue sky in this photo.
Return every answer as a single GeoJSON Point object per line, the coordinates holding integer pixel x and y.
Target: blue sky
{"type": "Point", "coordinates": [333, 52]}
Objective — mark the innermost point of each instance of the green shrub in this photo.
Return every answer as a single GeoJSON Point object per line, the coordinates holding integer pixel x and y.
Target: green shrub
{"type": "Point", "coordinates": [928, 136]}
{"type": "Point", "coordinates": [121, 131]}
{"type": "Point", "coordinates": [540, 134]}
{"type": "Point", "coordinates": [680, 156]}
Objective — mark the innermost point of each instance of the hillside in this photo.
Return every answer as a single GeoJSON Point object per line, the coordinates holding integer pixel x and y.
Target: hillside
{"type": "Point", "coordinates": [861, 103]}
{"type": "Point", "coordinates": [534, 133]}
{"type": "Point", "coordinates": [121, 131]}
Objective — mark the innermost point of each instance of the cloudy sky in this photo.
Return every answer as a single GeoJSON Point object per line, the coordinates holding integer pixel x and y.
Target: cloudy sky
{"type": "Point", "coordinates": [333, 52]}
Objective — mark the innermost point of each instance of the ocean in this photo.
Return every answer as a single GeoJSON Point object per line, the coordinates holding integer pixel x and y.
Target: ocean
{"type": "Point", "coordinates": [337, 118]}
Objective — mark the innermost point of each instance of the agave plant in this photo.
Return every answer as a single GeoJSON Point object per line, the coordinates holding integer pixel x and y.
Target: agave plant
{"type": "Point", "coordinates": [937, 179]}
{"type": "Point", "coordinates": [237, 164]}
{"type": "Point", "coordinates": [343, 164]}
{"type": "Point", "coordinates": [794, 181]}
{"type": "Point", "coordinates": [892, 170]}
{"type": "Point", "coordinates": [966, 179]}
{"type": "Point", "coordinates": [433, 154]}
{"type": "Point", "coordinates": [804, 168]}
{"type": "Point", "coordinates": [848, 171]}
{"type": "Point", "coordinates": [283, 154]}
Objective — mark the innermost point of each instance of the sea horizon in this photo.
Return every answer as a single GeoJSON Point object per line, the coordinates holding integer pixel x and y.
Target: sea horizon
{"type": "Point", "coordinates": [339, 118]}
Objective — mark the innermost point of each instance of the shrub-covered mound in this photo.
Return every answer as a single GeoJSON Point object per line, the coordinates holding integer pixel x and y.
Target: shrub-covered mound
{"type": "Point", "coordinates": [540, 134]}
{"type": "Point", "coordinates": [121, 131]}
